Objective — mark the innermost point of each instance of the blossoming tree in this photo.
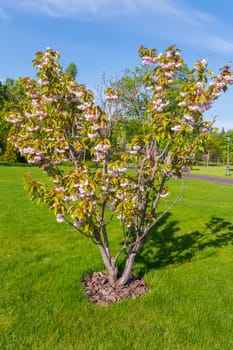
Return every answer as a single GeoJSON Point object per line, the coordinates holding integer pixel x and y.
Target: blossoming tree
{"type": "Point", "coordinates": [60, 123]}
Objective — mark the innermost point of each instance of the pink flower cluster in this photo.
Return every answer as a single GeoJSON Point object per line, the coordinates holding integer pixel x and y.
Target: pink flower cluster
{"type": "Point", "coordinates": [34, 156]}
{"type": "Point", "coordinates": [84, 106]}
{"type": "Point", "coordinates": [159, 103]}
{"type": "Point", "coordinates": [135, 150]}
{"type": "Point", "coordinates": [100, 151]}
{"type": "Point", "coordinates": [14, 119]}
{"type": "Point", "coordinates": [148, 59]}
{"type": "Point", "coordinates": [60, 218]}
{"type": "Point", "coordinates": [49, 56]}
{"type": "Point", "coordinates": [166, 66]}
{"type": "Point", "coordinates": [111, 97]}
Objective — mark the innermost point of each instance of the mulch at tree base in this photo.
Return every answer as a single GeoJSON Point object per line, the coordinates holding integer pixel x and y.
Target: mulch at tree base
{"type": "Point", "coordinates": [100, 291]}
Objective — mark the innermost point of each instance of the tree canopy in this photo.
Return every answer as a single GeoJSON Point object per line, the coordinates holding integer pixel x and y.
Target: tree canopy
{"type": "Point", "coordinates": [58, 121]}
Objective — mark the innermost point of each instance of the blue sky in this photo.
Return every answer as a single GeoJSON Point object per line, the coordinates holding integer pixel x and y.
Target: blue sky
{"type": "Point", "coordinates": [103, 36]}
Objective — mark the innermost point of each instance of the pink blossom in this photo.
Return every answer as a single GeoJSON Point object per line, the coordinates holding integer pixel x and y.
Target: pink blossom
{"type": "Point", "coordinates": [30, 115]}
{"type": "Point", "coordinates": [111, 97]}
{"type": "Point", "coordinates": [35, 104]}
{"type": "Point", "coordinates": [120, 217]}
{"type": "Point", "coordinates": [183, 94]}
{"type": "Point", "coordinates": [92, 136]}
{"type": "Point", "coordinates": [199, 85]}
{"type": "Point", "coordinates": [190, 128]}
{"type": "Point", "coordinates": [168, 74]}
{"type": "Point", "coordinates": [41, 114]}
{"type": "Point", "coordinates": [203, 129]}
{"type": "Point", "coordinates": [194, 108]}
{"type": "Point", "coordinates": [84, 106]}
{"type": "Point", "coordinates": [96, 127]}
{"type": "Point", "coordinates": [48, 99]}
{"type": "Point", "coordinates": [84, 183]}
{"type": "Point", "coordinates": [74, 197]}
{"type": "Point", "coordinates": [101, 148]}
{"type": "Point", "coordinates": [35, 95]}
{"type": "Point", "coordinates": [183, 103]}
{"type": "Point", "coordinates": [146, 60]}
{"type": "Point", "coordinates": [159, 88]}
{"type": "Point", "coordinates": [38, 159]}
{"type": "Point", "coordinates": [169, 54]}
{"type": "Point", "coordinates": [98, 157]}
{"type": "Point", "coordinates": [120, 196]}
{"type": "Point", "coordinates": [176, 128]}
{"type": "Point", "coordinates": [229, 79]}
{"type": "Point", "coordinates": [203, 62]}
{"type": "Point", "coordinates": [92, 117]}
{"type": "Point", "coordinates": [43, 82]}
{"type": "Point", "coordinates": [133, 153]}
{"type": "Point", "coordinates": [216, 94]}
{"type": "Point", "coordinates": [28, 150]}
{"type": "Point", "coordinates": [121, 169]}
{"type": "Point", "coordinates": [220, 84]}
{"type": "Point", "coordinates": [35, 128]}
{"type": "Point", "coordinates": [80, 93]}
{"type": "Point", "coordinates": [178, 65]}
{"type": "Point", "coordinates": [60, 218]}
{"type": "Point", "coordinates": [60, 189]}
{"type": "Point", "coordinates": [189, 118]}
{"type": "Point", "coordinates": [164, 195]}
{"type": "Point", "coordinates": [58, 150]}
{"type": "Point", "coordinates": [166, 65]}
{"type": "Point", "coordinates": [77, 223]}
{"type": "Point", "coordinates": [14, 121]}
{"type": "Point", "coordinates": [124, 184]}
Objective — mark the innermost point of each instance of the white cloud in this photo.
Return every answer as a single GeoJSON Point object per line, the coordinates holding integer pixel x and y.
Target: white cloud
{"type": "Point", "coordinates": [71, 8]}
{"type": "Point", "coordinates": [68, 8]}
{"type": "Point", "coordinates": [3, 15]}
{"type": "Point", "coordinates": [168, 18]}
{"type": "Point", "coordinates": [182, 13]}
{"type": "Point", "coordinates": [220, 45]}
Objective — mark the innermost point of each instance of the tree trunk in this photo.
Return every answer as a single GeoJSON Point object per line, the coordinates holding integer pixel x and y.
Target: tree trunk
{"type": "Point", "coordinates": [127, 273]}
{"type": "Point", "coordinates": [109, 264]}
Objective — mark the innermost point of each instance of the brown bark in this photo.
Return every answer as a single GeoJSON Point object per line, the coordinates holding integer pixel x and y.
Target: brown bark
{"type": "Point", "coordinates": [109, 264]}
{"type": "Point", "coordinates": [127, 273]}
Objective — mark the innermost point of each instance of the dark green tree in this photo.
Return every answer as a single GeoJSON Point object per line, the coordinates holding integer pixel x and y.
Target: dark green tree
{"type": "Point", "coordinates": [128, 114]}
{"type": "Point", "coordinates": [11, 93]}
{"type": "Point", "coordinates": [225, 146]}
{"type": "Point", "coordinates": [215, 146]}
{"type": "Point", "coordinates": [72, 70]}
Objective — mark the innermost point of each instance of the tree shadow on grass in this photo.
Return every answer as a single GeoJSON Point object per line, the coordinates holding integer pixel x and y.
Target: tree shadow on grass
{"type": "Point", "coordinates": [13, 164]}
{"type": "Point", "coordinates": [164, 246]}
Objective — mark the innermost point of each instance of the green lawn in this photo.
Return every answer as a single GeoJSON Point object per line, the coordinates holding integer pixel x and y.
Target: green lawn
{"type": "Point", "coordinates": [213, 170]}
{"type": "Point", "coordinates": [187, 264]}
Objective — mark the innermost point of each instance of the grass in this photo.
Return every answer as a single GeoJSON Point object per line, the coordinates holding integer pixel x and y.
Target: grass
{"type": "Point", "coordinates": [212, 170]}
{"type": "Point", "coordinates": [186, 262]}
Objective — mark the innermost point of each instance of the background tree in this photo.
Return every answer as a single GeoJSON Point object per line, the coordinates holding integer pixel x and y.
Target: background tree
{"type": "Point", "coordinates": [11, 92]}
{"type": "Point", "coordinates": [215, 147]}
{"type": "Point", "coordinates": [4, 126]}
{"type": "Point", "coordinates": [128, 112]}
{"type": "Point", "coordinates": [72, 70]}
{"type": "Point", "coordinates": [224, 146]}
{"type": "Point", "coordinates": [59, 121]}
